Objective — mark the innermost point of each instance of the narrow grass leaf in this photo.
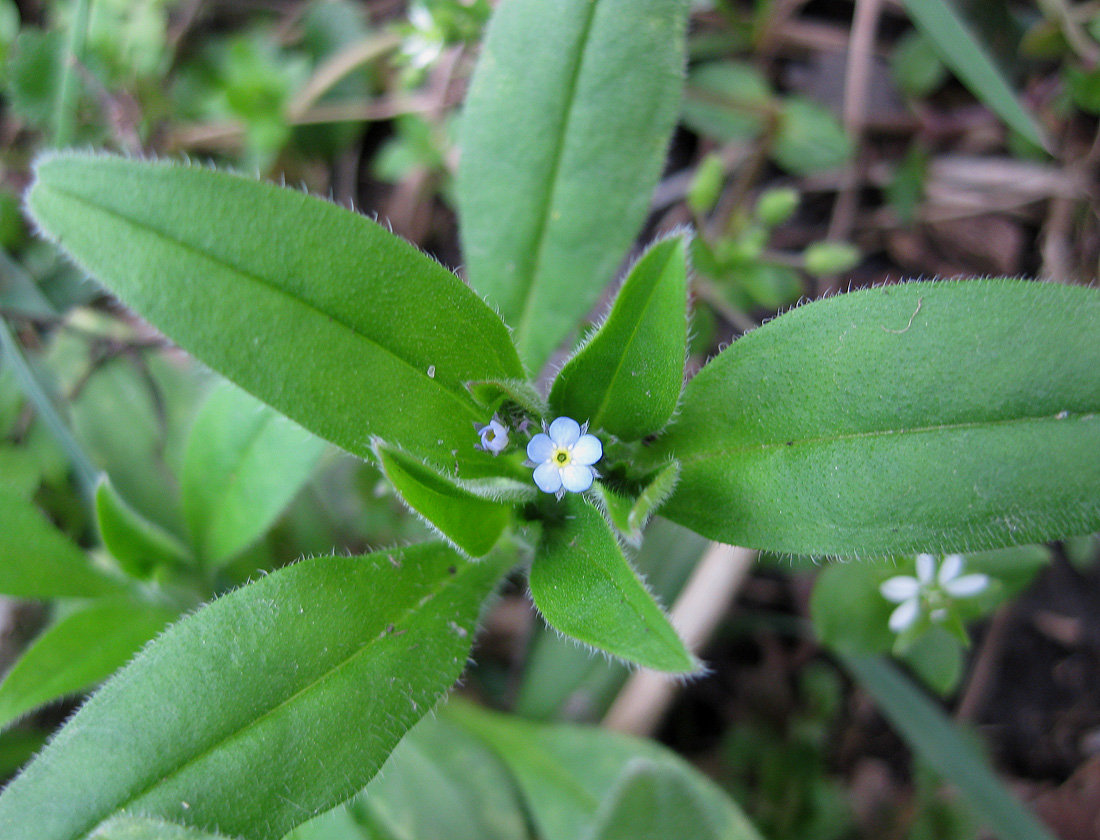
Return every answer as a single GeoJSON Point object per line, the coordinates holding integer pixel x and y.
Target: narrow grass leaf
{"type": "Point", "coordinates": [86, 473]}
{"type": "Point", "coordinates": [970, 61]}
{"type": "Point", "coordinates": [584, 587]}
{"type": "Point", "coordinates": [563, 139]}
{"type": "Point", "coordinates": [266, 707]}
{"type": "Point", "coordinates": [77, 652]}
{"type": "Point", "coordinates": [946, 748]}
{"type": "Point", "coordinates": [627, 378]}
{"type": "Point", "coordinates": [937, 417]}
{"type": "Point", "coordinates": [38, 561]}
{"type": "Point", "coordinates": [243, 465]}
{"type": "Point", "coordinates": [318, 311]}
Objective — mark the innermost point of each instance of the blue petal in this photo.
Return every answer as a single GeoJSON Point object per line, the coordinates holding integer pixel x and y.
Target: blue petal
{"type": "Point", "coordinates": [564, 431]}
{"type": "Point", "coordinates": [576, 478]}
{"type": "Point", "coordinates": [540, 449]}
{"type": "Point", "coordinates": [548, 478]}
{"type": "Point", "coordinates": [587, 450]}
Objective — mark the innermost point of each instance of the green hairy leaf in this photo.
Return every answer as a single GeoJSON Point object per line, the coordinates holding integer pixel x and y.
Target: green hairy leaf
{"type": "Point", "coordinates": [563, 140]}
{"type": "Point", "coordinates": [518, 391]}
{"type": "Point", "coordinates": [654, 802]}
{"type": "Point", "coordinates": [243, 465]}
{"type": "Point", "coordinates": [629, 516]}
{"type": "Point", "coordinates": [932, 417]}
{"type": "Point", "coordinates": [77, 652]}
{"type": "Point", "coordinates": [267, 706]}
{"type": "Point", "coordinates": [584, 587]}
{"type": "Point", "coordinates": [472, 795]}
{"type": "Point", "coordinates": [470, 522]}
{"type": "Point", "coordinates": [319, 312]}
{"type": "Point", "coordinates": [136, 543]}
{"type": "Point", "coordinates": [38, 561]}
{"type": "Point", "coordinates": [627, 378]}
{"type": "Point", "coordinates": [568, 775]}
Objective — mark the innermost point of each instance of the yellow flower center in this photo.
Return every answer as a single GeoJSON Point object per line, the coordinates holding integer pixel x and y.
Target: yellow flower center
{"type": "Point", "coordinates": [561, 457]}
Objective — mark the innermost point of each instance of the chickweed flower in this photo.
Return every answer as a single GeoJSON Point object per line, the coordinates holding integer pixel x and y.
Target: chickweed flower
{"type": "Point", "coordinates": [929, 592]}
{"type": "Point", "coordinates": [563, 456]}
{"type": "Point", "coordinates": [494, 436]}
{"type": "Point", "coordinates": [425, 41]}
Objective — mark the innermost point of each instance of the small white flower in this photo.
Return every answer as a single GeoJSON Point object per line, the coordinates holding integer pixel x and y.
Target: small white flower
{"type": "Point", "coordinates": [929, 591]}
{"type": "Point", "coordinates": [563, 457]}
{"type": "Point", "coordinates": [494, 436]}
{"type": "Point", "coordinates": [425, 42]}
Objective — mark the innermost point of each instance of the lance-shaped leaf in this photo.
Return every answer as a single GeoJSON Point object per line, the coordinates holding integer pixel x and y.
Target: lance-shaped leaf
{"type": "Point", "coordinates": [79, 651]}
{"type": "Point", "coordinates": [139, 546]}
{"type": "Point", "coordinates": [654, 801]}
{"type": "Point", "coordinates": [563, 140]}
{"type": "Point", "coordinates": [243, 465]}
{"type": "Point", "coordinates": [922, 417]}
{"type": "Point", "coordinates": [266, 707]}
{"type": "Point", "coordinates": [470, 522]}
{"type": "Point", "coordinates": [38, 561]}
{"type": "Point", "coordinates": [567, 774]}
{"type": "Point", "coordinates": [584, 587]}
{"type": "Point", "coordinates": [627, 378]}
{"type": "Point", "coordinates": [318, 311]}
{"type": "Point", "coordinates": [472, 794]}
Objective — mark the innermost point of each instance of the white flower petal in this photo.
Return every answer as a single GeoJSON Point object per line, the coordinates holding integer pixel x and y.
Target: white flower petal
{"type": "Point", "coordinates": [926, 568]}
{"type": "Point", "coordinates": [952, 565]}
{"type": "Point", "coordinates": [564, 431]}
{"type": "Point", "coordinates": [540, 448]}
{"type": "Point", "coordinates": [587, 450]}
{"type": "Point", "coordinates": [576, 478]}
{"type": "Point", "coordinates": [900, 588]}
{"type": "Point", "coordinates": [904, 616]}
{"type": "Point", "coordinates": [548, 478]}
{"type": "Point", "coordinates": [420, 17]}
{"type": "Point", "coordinates": [966, 586]}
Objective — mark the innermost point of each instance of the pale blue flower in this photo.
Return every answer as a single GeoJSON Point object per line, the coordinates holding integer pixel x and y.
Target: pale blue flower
{"type": "Point", "coordinates": [494, 436]}
{"type": "Point", "coordinates": [928, 591]}
{"type": "Point", "coordinates": [563, 457]}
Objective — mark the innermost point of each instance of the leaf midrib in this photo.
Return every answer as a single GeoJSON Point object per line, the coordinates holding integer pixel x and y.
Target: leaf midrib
{"type": "Point", "coordinates": [722, 452]}
{"type": "Point", "coordinates": [329, 317]}
{"type": "Point", "coordinates": [445, 581]}
{"type": "Point", "coordinates": [631, 339]}
{"type": "Point", "coordinates": [628, 597]}
{"type": "Point", "coordinates": [552, 180]}
{"type": "Point", "coordinates": [214, 512]}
